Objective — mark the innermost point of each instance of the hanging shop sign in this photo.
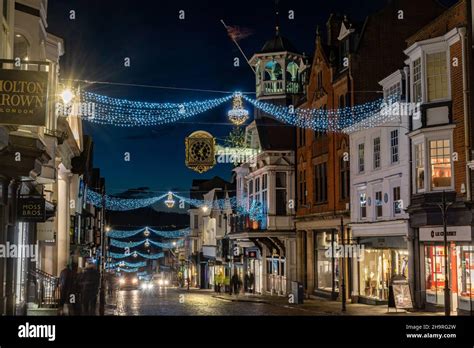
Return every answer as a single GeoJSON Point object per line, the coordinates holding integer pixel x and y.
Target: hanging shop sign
{"type": "Point", "coordinates": [454, 233]}
{"type": "Point", "coordinates": [31, 209]}
{"type": "Point", "coordinates": [23, 97]}
{"type": "Point", "coordinates": [200, 151]}
{"type": "Point", "coordinates": [45, 231]}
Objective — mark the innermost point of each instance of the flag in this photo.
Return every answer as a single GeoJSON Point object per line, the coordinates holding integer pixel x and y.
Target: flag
{"type": "Point", "coordinates": [236, 33]}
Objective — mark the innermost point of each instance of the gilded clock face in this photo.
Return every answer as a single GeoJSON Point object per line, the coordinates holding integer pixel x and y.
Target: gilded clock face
{"type": "Point", "coordinates": [200, 154]}
{"type": "Point", "coordinates": [200, 151]}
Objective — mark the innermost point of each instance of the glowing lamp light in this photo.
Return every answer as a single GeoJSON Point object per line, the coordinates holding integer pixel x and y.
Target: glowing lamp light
{"type": "Point", "coordinates": [146, 233]}
{"type": "Point", "coordinates": [238, 115]}
{"type": "Point", "coordinates": [147, 243]}
{"type": "Point", "coordinates": [67, 96]}
{"type": "Point", "coordinates": [170, 201]}
{"type": "Point", "coordinates": [204, 208]}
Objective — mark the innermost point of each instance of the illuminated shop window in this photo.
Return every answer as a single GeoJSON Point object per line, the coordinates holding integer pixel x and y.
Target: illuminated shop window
{"type": "Point", "coordinates": [440, 160]}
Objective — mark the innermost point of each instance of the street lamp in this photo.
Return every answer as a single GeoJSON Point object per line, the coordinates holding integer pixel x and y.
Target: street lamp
{"type": "Point", "coordinates": [67, 96]}
{"type": "Point", "coordinates": [343, 270]}
{"type": "Point", "coordinates": [447, 291]}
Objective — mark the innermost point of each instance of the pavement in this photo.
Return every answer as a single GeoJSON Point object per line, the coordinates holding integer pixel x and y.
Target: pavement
{"type": "Point", "coordinates": [323, 306]}
{"type": "Point", "coordinates": [199, 302]}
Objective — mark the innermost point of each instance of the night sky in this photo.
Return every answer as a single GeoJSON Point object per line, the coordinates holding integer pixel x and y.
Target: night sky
{"type": "Point", "coordinates": [191, 53]}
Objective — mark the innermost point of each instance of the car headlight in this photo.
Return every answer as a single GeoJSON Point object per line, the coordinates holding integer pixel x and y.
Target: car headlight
{"type": "Point", "coordinates": [149, 286]}
{"type": "Point", "coordinates": [167, 282]}
{"type": "Point", "coordinates": [135, 280]}
{"type": "Point", "coordinates": [122, 281]}
{"type": "Point", "coordinates": [160, 282]}
{"type": "Point", "coordinates": [144, 286]}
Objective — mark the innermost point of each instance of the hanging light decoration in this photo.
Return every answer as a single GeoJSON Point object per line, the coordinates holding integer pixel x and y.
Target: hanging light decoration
{"type": "Point", "coordinates": [238, 115]}
{"type": "Point", "coordinates": [146, 233]}
{"type": "Point", "coordinates": [147, 243]}
{"type": "Point", "coordinates": [135, 254]}
{"type": "Point", "coordinates": [170, 201]}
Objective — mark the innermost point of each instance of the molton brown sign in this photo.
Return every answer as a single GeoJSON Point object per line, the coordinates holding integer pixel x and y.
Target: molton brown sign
{"type": "Point", "coordinates": [23, 97]}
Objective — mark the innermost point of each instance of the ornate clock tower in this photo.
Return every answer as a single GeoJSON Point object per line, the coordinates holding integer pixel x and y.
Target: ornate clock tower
{"type": "Point", "coordinates": [280, 72]}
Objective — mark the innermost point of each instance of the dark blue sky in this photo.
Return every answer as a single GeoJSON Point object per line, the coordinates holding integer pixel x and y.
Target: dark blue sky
{"type": "Point", "coordinates": [192, 53]}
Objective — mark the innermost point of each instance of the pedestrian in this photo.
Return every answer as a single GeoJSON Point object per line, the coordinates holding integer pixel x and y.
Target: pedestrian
{"type": "Point", "coordinates": [252, 283]}
{"type": "Point", "coordinates": [90, 287]}
{"type": "Point", "coordinates": [220, 281]}
{"type": "Point", "coordinates": [246, 282]}
{"type": "Point", "coordinates": [235, 283]}
{"type": "Point", "coordinates": [67, 286]}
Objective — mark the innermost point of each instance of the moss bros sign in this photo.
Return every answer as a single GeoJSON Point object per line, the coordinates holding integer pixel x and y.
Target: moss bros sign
{"type": "Point", "coordinates": [23, 97]}
{"type": "Point", "coordinates": [31, 209]}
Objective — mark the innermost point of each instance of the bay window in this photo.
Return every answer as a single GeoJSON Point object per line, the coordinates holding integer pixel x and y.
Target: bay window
{"type": "Point", "coordinates": [436, 76]}
{"type": "Point", "coordinates": [417, 95]}
{"type": "Point", "coordinates": [440, 162]}
{"type": "Point", "coordinates": [420, 166]}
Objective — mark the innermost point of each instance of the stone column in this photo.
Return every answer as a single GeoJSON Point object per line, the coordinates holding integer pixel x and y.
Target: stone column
{"type": "Point", "coordinates": [299, 256]}
{"type": "Point", "coordinates": [62, 238]}
{"type": "Point", "coordinates": [310, 261]}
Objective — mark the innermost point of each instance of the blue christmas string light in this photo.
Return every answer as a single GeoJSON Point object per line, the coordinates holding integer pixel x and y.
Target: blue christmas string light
{"type": "Point", "coordinates": [120, 234]}
{"type": "Point", "coordinates": [126, 113]}
{"type": "Point", "coordinates": [128, 270]}
{"type": "Point", "coordinates": [127, 264]}
{"type": "Point", "coordinates": [167, 245]}
{"type": "Point", "coordinates": [319, 119]}
{"type": "Point", "coordinates": [136, 254]}
{"type": "Point", "coordinates": [121, 204]}
{"type": "Point", "coordinates": [124, 234]}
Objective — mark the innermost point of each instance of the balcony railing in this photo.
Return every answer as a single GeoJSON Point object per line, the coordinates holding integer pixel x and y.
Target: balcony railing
{"type": "Point", "coordinates": [278, 87]}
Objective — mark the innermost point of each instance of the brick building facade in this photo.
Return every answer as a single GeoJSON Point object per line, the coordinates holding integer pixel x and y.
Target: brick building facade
{"type": "Point", "coordinates": [345, 72]}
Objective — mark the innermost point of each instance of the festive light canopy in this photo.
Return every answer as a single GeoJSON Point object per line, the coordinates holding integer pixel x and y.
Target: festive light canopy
{"type": "Point", "coordinates": [136, 254]}
{"type": "Point", "coordinates": [127, 264]}
{"type": "Point", "coordinates": [121, 234]}
{"type": "Point", "coordinates": [167, 245]}
{"type": "Point", "coordinates": [335, 120]}
{"type": "Point", "coordinates": [127, 113]}
{"type": "Point", "coordinates": [121, 204]}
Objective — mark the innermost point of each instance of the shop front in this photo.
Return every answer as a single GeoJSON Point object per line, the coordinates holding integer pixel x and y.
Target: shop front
{"type": "Point", "coordinates": [381, 259]}
{"type": "Point", "coordinates": [460, 267]}
{"type": "Point", "coordinates": [326, 266]}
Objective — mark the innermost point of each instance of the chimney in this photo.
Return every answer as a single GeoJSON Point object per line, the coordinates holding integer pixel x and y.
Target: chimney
{"type": "Point", "coordinates": [333, 26]}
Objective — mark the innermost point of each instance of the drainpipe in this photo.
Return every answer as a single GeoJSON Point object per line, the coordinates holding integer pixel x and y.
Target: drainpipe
{"type": "Point", "coordinates": [467, 140]}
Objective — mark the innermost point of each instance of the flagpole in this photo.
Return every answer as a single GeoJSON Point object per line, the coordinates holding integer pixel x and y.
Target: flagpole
{"type": "Point", "coordinates": [238, 46]}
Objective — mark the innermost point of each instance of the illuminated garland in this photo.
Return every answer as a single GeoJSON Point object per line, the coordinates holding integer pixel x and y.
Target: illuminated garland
{"type": "Point", "coordinates": [121, 204]}
{"type": "Point", "coordinates": [120, 234]}
{"type": "Point", "coordinates": [136, 254]}
{"type": "Point", "coordinates": [127, 264]}
{"type": "Point", "coordinates": [126, 113]}
{"type": "Point", "coordinates": [127, 270]}
{"type": "Point", "coordinates": [319, 119]}
{"type": "Point", "coordinates": [168, 245]}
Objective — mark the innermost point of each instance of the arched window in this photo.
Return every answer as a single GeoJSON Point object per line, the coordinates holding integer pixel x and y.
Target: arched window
{"type": "Point", "coordinates": [272, 71]}
{"type": "Point", "coordinates": [21, 47]}
{"type": "Point", "coordinates": [292, 72]}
